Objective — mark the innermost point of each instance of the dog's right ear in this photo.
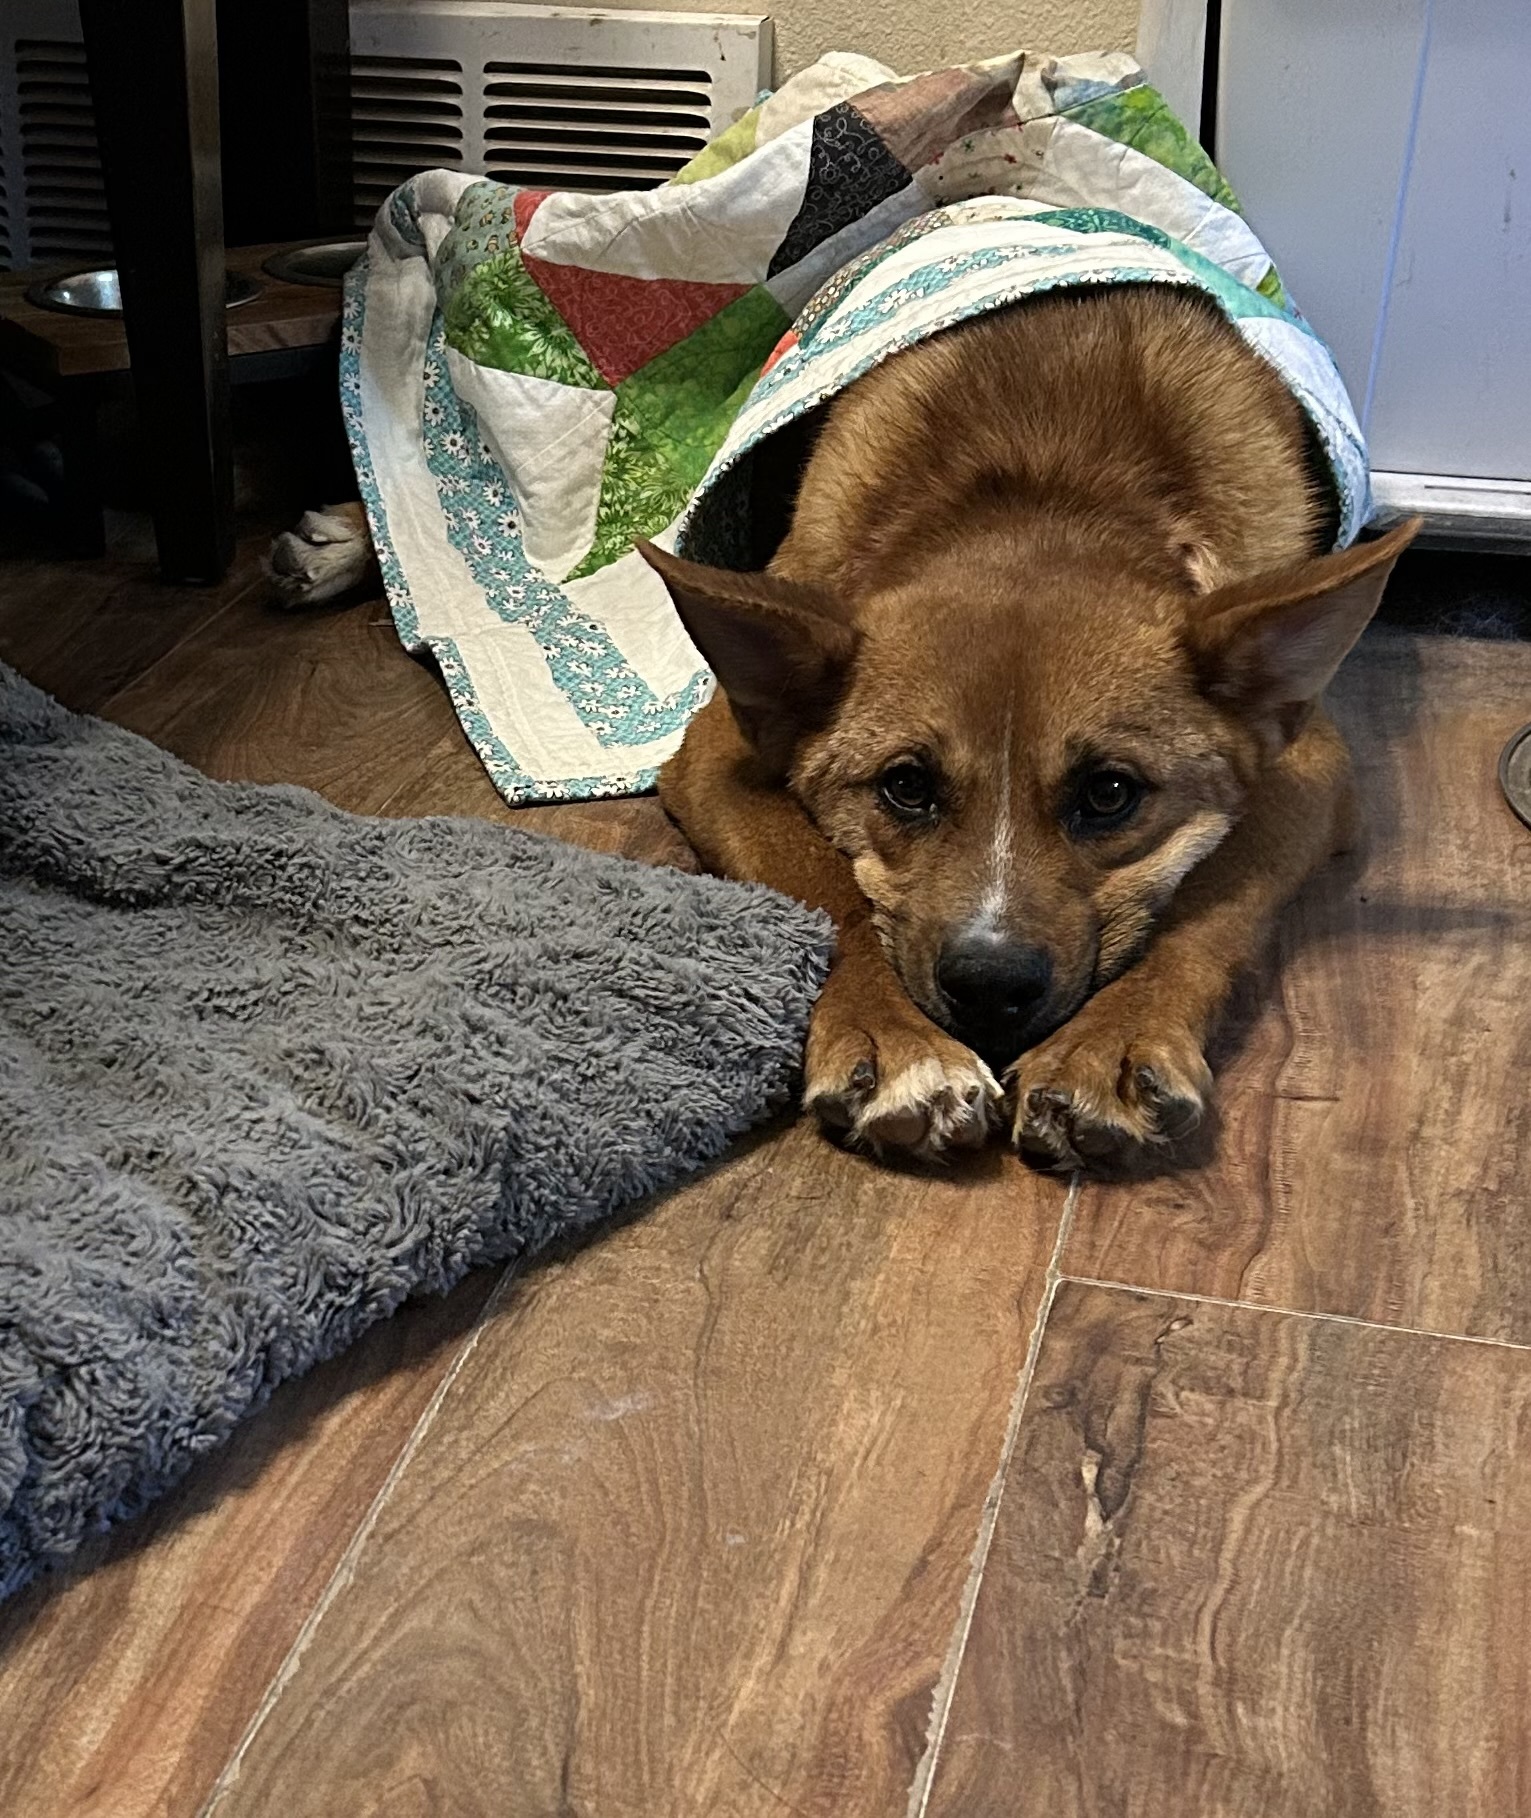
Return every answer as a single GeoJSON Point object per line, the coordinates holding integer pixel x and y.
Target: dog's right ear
{"type": "Point", "coordinates": [777, 648]}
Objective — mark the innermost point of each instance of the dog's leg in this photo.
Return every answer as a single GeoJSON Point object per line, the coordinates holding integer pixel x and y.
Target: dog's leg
{"type": "Point", "coordinates": [878, 1072]}
{"type": "Point", "coordinates": [1129, 1072]}
{"type": "Point", "coordinates": [329, 553]}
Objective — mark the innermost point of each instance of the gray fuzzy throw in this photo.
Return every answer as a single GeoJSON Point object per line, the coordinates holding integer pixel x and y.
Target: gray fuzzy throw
{"type": "Point", "coordinates": [266, 1069]}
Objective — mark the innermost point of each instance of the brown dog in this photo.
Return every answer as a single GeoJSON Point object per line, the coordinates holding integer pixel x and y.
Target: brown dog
{"type": "Point", "coordinates": [1027, 699]}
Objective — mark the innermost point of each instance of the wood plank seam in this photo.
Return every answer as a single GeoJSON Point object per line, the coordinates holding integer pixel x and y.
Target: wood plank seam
{"type": "Point", "coordinates": [346, 1565]}
{"type": "Point", "coordinates": [102, 711]}
{"type": "Point", "coordinates": [946, 1685]}
{"type": "Point", "coordinates": [1265, 1306]}
{"type": "Point", "coordinates": [1250, 1567]}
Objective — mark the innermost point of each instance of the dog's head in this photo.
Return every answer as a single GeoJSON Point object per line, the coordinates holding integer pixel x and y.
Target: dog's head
{"type": "Point", "coordinates": [1023, 755]}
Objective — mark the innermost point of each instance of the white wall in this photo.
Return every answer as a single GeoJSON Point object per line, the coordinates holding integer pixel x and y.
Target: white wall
{"type": "Point", "coordinates": [1382, 151]}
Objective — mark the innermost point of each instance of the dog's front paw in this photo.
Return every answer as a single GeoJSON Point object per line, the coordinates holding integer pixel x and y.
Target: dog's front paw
{"type": "Point", "coordinates": [327, 555]}
{"type": "Point", "coordinates": [898, 1084]}
{"type": "Point", "coordinates": [1107, 1089]}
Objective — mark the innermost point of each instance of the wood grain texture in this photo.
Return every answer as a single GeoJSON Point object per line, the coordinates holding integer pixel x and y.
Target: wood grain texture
{"type": "Point", "coordinates": [327, 699]}
{"type": "Point", "coordinates": [636, 826]}
{"type": "Point", "coordinates": [126, 1684]}
{"type": "Point", "coordinates": [231, 683]}
{"type": "Point", "coordinates": [690, 1531]}
{"type": "Point", "coordinates": [1250, 1565]}
{"type": "Point", "coordinates": [1375, 1127]}
{"type": "Point", "coordinates": [83, 630]}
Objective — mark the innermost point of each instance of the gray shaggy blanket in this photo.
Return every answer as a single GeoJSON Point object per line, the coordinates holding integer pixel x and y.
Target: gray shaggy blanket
{"type": "Point", "coordinates": [267, 1068]}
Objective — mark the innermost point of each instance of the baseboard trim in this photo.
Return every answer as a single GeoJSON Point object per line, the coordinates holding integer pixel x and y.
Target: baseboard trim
{"type": "Point", "coordinates": [1458, 512]}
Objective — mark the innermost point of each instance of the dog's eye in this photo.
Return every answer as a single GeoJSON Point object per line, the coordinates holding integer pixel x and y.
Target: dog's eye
{"type": "Point", "coordinates": [1108, 796]}
{"type": "Point", "coordinates": [909, 789]}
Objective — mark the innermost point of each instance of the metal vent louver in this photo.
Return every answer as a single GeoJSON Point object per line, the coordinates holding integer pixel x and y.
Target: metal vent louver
{"type": "Point", "coordinates": [560, 98]}
{"type": "Point", "coordinates": [52, 204]}
{"type": "Point", "coordinates": [551, 126]}
{"type": "Point", "coordinates": [551, 97]}
{"type": "Point", "coordinates": [406, 116]}
{"type": "Point", "coordinates": [60, 171]}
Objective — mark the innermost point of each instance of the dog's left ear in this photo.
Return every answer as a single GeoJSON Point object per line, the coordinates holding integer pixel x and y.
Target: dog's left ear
{"type": "Point", "coordinates": [1269, 646]}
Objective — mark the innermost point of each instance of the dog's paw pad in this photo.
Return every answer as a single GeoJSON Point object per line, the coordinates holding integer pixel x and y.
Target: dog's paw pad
{"type": "Point", "coordinates": [1093, 1095]}
{"type": "Point", "coordinates": [325, 527]}
{"type": "Point", "coordinates": [932, 1106]}
{"type": "Point", "coordinates": [924, 1106]}
{"type": "Point", "coordinates": [324, 556]}
{"type": "Point", "coordinates": [1175, 1104]}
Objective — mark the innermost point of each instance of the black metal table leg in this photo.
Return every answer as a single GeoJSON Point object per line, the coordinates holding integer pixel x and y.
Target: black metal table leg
{"type": "Point", "coordinates": [154, 84]}
{"type": "Point", "coordinates": [82, 525]}
{"type": "Point", "coordinates": [284, 97]}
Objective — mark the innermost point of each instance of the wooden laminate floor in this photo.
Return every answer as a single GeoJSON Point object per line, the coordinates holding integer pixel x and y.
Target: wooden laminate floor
{"type": "Point", "coordinates": [827, 1490]}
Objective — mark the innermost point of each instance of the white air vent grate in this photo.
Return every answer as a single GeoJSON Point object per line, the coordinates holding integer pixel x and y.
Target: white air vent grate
{"type": "Point", "coordinates": [620, 127]}
{"type": "Point", "coordinates": [556, 97]}
{"type": "Point", "coordinates": [544, 97]}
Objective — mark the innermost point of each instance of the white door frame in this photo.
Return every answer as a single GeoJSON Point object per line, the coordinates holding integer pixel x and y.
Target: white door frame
{"type": "Point", "coordinates": [1172, 47]}
{"type": "Point", "coordinates": [1178, 46]}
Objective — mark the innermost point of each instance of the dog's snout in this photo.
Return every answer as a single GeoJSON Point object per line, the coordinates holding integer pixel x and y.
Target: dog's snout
{"type": "Point", "coordinates": [992, 981]}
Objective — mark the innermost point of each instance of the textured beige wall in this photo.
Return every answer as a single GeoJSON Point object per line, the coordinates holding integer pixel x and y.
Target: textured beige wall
{"type": "Point", "coordinates": [911, 35]}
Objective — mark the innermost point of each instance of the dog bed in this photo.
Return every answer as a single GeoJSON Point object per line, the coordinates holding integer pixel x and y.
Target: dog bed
{"type": "Point", "coordinates": [531, 380]}
{"type": "Point", "coordinates": [266, 1069]}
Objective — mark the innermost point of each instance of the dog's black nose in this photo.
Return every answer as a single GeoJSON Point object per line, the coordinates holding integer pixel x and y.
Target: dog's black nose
{"type": "Point", "coordinates": [992, 982]}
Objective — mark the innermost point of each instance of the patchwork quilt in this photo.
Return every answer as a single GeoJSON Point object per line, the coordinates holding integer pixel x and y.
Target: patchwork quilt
{"type": "Point", "coordinates": [532, 379]}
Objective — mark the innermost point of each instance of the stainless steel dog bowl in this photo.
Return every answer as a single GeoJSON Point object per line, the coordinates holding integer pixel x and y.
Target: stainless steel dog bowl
{"type": "Point", "coordinates": [1515, 773]}
{"type": "Point", "coordinates": [98, 292]}
{"type": "Point", "coordinates": [326, 263]}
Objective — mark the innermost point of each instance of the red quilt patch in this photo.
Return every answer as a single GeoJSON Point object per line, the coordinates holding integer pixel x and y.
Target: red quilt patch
{"type": "Point", "coordinates": [622, 323]}
{"type": "Point", "coordinates": [525, 205]}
